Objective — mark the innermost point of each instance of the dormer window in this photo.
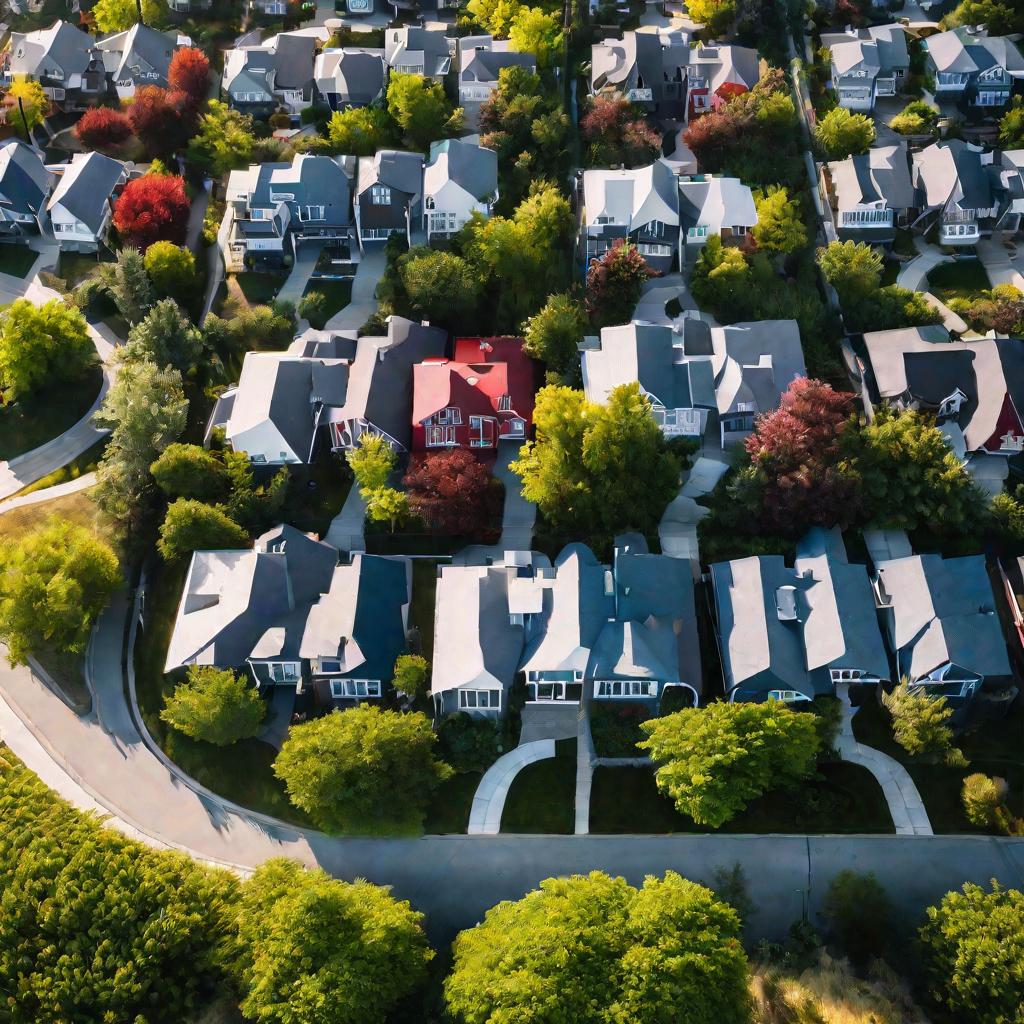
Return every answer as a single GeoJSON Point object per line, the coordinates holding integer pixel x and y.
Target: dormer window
{"type": "Point", "coordinates": [428, 203]}
{"type": "Point", "coordinates": [380, 195]}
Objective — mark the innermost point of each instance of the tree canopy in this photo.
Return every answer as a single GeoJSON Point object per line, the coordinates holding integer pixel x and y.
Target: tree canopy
{"type": "Point", "coordinates": [190, 471]}
{"type": "Point", "coordinates": [780, 226]}
{"type": "Point", "coordinates": [214, 705]}
{"type": "Point", "coordinates": [121, 15]}
{"type": "Point", "coordinates": [712, 761]}
{"type": "Point", "coordinates": [128, 284]}
{"type": "Point", "coordinates": [919, 722]}
{"type": "Point", "coordinates": [171, 268]}
{"type": "Point", "coordinates": [41, 344]}
{"type": "Point", "coordinates": [191, 525]}
{"type": "Point", "coordinates": [582, 469]}
{"type": "Point", "coordinates": [453, 492]}
{"type": "Point", "coordinates": [421, 109]}
{"type": "Point", "coordinates": [615, 283]}
{"type": "Point", "coordinates": [843, 133]}
{"type": "Point", "coordinates": [360, 131]}
{"type": "Point", "coordinates": [442, 287]}
{"type": "Point", "coordinates": [103, 128]}
{"type": "Point", "coordinates": [973, 951]}
{"type": "Point", "coordinates": [534, 30]}
{"type": "Point", "coordinates": [152, 208]}
{"type": "Point", "coordinates": [32, 108]}
{"type": "Point", "coordinates": [854, 269]}
{"type": "Point", "coordinates": [371, 461]}
{"type": "Point", "coordinates": [616, 132]}
{"type": "Point", "coordinates": [223, 140]}
{"type": "Point", "coordinates": [54, 582]}
{"type": "Point", "coordinates": [553, 333]}
{"type": "Point", "coordinates": [592, 949]}
{"type": "Point", "coordinates": [164, 336]}
{"type": "Point", "coordinates": [362, 770]}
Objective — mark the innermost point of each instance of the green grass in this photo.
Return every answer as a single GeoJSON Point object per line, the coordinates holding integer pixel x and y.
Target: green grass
{"type": "Point", "coordinates": [994, 748]}
{"type": "Point", "coordinates": [316, 492]}
{"type": "Point", "coordinates": [337, 295]}
{"type": "Point", "coordinates": [259, 289]}
{"type": "Point", "coordinates": [421, 610]}
{"type": "Point", "coordinates": [448, 812]}
{"type": "Point", "coordinates": [46, 414]}
{"type": "Point", "coordinates": [241, 772]}
{"type": "Point", "coordinates": [17, 260]}
{"type": "Point", "coordinates": [542, 796]}
{"type": "Point", "coordinates": [76, 267]}
{"type": "Point", "coordinates": [962, 279]}
{"type": "Point", "coordinates": [845, 798]}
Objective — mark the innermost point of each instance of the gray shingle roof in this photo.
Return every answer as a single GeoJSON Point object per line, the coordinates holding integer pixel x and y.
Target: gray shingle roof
{"type": "Point", "coordinates": [881, 173]}
{"type": "Point", "coordinates": [61, 46]}
{"type": "Point", "coordinates": [85, 187]}
{"type": "Point", "coordinates": [353, 76]}
{"type": "Point", "coordinates": [24, 179]}
{"type": "Point", "coordinates": [410, 46]}
{"type": "Point", "coordinates": [950, 169]}
{"type": "Point", "coordinates": [469, 165]}
{"type": "Point", "coordinates": [141, 54]}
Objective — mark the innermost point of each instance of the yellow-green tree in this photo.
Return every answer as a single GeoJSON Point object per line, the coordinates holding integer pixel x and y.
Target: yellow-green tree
{"type": "Point", "coordinates": [214, 705]}
{"type": "Point", "coordinates": [31, 105]}
{"type": "Point", "coordinates": [120, 15]}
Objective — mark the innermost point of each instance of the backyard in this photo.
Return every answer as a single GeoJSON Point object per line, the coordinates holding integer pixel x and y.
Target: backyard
{"type": "Point", "coordinates": [255, 289]}
{"type": "Point", "coordinates": [316, 492]}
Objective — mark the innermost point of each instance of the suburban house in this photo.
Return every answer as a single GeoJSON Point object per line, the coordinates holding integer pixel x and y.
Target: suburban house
{"type": "Point", "coordinates": [24, 185]}
{"type": "Point", "coordinates": [481, 58]}
{"type": "Point", "coordinates": [715, 74]}
{"type": "Point", "coordinates": [419, 51]}
{"type": "Point", "coordinates": [975, 389]}
{"type": "Point", "coordinates": [943, 629]}
{"type": "Point", "coordinates": [330, 379]}
{"type": "Point", "coordinates": [460, 179]}
{"type": "Point", "coordinates": [622, 632]}
{"type": "Point", "coordinates": [648, 67]}
{"type": "Point", "coordinates": [276, 72]}
{"type": "Point", "coordinates": [867, 63]}
{"type": "Point", "coordinates": [968, 191]}
{"type": "Point", "coordinates": [973, 68]}
{"type": "Point", "coordinates": [82, 202]}
{"type": "Point", "coordinates": [141, 56]}
{"type": "Point", "coordinates": [481, 397]}
{"type": "Point", "coordinates": [708, 383]}
{"type": "Point", "coordinates": [713, 205]}
{"type": "Point", "coordinates": [793, 634]}
{"type": "Point", "coordinates": [1011, 572]}
{"type": "Point", "coordinates": [641, 205]}
{"type": "Point", "coordinates": [349, 77]}
{"type": "Point", "coordinates": [63, 59]}
{"type": "Point", "coordinates": [872, 194]}
{"type": "Point", "coordinates": [389, 195]}
{"type": "Point", "coordinates": [272, 209]}
{"type": "Point", "coordinates": [290, 615]}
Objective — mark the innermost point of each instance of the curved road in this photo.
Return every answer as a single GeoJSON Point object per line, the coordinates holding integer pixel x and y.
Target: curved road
{"type": "Point", "coordinates": [101, 760]}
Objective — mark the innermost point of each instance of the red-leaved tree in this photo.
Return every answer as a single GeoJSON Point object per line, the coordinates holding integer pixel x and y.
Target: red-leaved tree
{"type": "Point", "coordinates": [103, 127]}
{"type": "Point", "coordinates": [618, 134]}
{"type": "Point", "coordinates": [453, 492]}
{"type": "Point", "coordinates": [189, 73]}
{"type": "Point", "coordinates": [798, 459]}
{"type": "Point", "coordinates": [614, 283]}
{"type": "Point", "coordinates": [151, 209]}
{"type": "Point", "coordinates": [712, 136]}
{"type": "Point", "coordinates": [164, 120]}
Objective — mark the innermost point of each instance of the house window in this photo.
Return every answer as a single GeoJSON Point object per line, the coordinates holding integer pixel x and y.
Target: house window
{"type": "Point", "coordinates": [622, 688]}
{"type": "Point", "coordinates": [505, 403]}
{"type": "Point", "coordinates": [380, 195]}
{"type": "Point", "coordinates": [258, 458]}
{"type": "Point", "coordinates": [284, 671]}
{"type": "Point", "coordinates": [739, 229]}
{"type": "Point", "coordinates": [330, 666]}
{"type": "Point", "coordinates": [282, 197]}
{"type": "Point", "coordinates": [787, 696]}
{"type": "Point", "coordinates": [439, 437]}
{"type": "Point", "coordinates": [488, 700]}
{"type": "Point", "coordinates": [449, 415]}
{"type": "Point", "coordinates": [353, 689]}
{"type": "Point", "coordinates": [311, 213]}
{"type": "Point", "coordinates": [428, 203]}
{"type": "Point", "coordinates": [604, 219]}
{"type": "Point", "coordinates": [845, 675]}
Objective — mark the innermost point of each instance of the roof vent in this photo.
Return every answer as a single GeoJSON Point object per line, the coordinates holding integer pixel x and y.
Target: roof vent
{"type": "Point", "coordinates": [473, 380]}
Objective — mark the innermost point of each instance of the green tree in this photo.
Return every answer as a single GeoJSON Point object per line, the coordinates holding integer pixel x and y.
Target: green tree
{"type": "Point", "coordinates": [191, 525]}
{"type": "Point", "coordinates": [713, 761]}
{"type": "Point", "coordinates": [371, 462]}
{"type": "Point", "coordinates": [362, 950]}
{"type": "Point", "coordinates": [387, 505]}
{"type": "Point", "coordinates": [128, 284]}
{"type": "Point", "coordinates": [442, 287]}
{"type": "Point", "coordinates": [41, 344]}
{"type": "Point", "coordinates": [224, 140]}
{"type": "Point", "coordinates": [95, 926]}
{"type": "Point", "coordinates": [166, 337]}
{"type": "Point", "coordinates": [983, 797]}
{"type": "Point", "coordinates": [553, 334]}
{"type": "Point", "coordinates": [721, 275]}
{"type": "Point", "coordinates": [780, 227]}
{"type": "Point", "coordinates": [716, 16]}
{"type": "Point", "coordinates": [909, 475]}
{"type": "Point", "coordinates": [916, 118]}
{"type": "Point", "coordinates": [32, 108]}
{"type": "Point", "coordinates": [1011, 127]}
{"type": "Point", "coordinates": [615, 283]}
{"type": "Point", "coordinates": [411, 671]}
{"type": "Point", "coordinates": [496, 16]}
{"type": "Point", "coordinates": [421, 109]}
{"type": "Point", "coordinates": [973, 951]}
{"type": "Point", "coordinates": [214, 705]}
{"type": "Point", "coordinates": [362, 770]}
{"type": "Point", "coordinates": [254, 508]}
{"type": "Point", "coordinates": [534, 30]}
{"type": "Point", "coordinates": [919, 722]}
{"type": "Point", "coordinates": [1000, 17]}
{"type": "Point", "coordinates": [147, 410]}
{"type": "Point", "coordinates": [858, 915]}
{"type": "Point", "coordinates": [190, 471]}
{"type": "Point", "coordinates": [592, 949]}
{"type": "Point", "coordinates": [1007, 518]}
{"type": "Point", "coordinates": [582, 469]}
{"type": "Point", "coordinates": [843, 133]}
{"type": "Point", "coordinates": [54, 582]}
{"type": "Point", "coordinates": [313, 307]}
{"type": "Point", "coordinates": [361, 131]}
{"type": "Point", "coordinates": [854, 269]}
{"type": "Point", "coordinates": [171, 269]}
{"type": "Point", "coordinates": [121, 15]}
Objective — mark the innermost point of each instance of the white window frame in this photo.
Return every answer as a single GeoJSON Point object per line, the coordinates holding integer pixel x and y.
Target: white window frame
{"type": "Point", "coordinates": [380, 195]}
{"type": "Point", "coordinates": [439, 436]}
{"type": "Point", "coordinates": [492, 697]}
{"type": "Point", "coordinates": [624, 689]}
{"type": "Point", "coordinates": [505, 403]}
{"type": "Point", "coordinates": [286, 668]}
{"type": "Point", "coordinates": [349, 689]}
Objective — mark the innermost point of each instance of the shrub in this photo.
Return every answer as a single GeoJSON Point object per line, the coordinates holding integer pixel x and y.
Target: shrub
{"type": "Point", "coordinates": [468, 743]}
{"type": "Point", "coordinates": [858, 915]}
{"type": "Point", "coordinates": [615, 727]}
{"type": "Point", "coordinates": [919, 723]}
{"type": "Point", "coordinates": [983, 796]}
{"type": "Point", "coordinates": [103, 127]}
{"type": "Point", "coordinates": [410, 674]}
{"type": "Point", "coordinates": [152, 208]}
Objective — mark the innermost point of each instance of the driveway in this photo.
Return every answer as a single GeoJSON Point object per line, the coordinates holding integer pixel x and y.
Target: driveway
{"type": "Point", "coordinates": [914, 273]}
{"type": "Point", "coordinates": [294, 286]}
{"type": "Point", "coordinates": [363, 303]}
{"type": "Point", "coordinates": [1001, 267]}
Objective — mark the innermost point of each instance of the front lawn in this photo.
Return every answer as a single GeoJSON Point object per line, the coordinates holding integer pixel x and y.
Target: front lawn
{"type": "Point", "coordinates": [448, 811]}
{"type": "Point", "coordinates": [542, 798]}
{"type": "Point", "coordinates": [316, 492]}
{"type": "Point", "coordinates": [615, 727]}
{"type": "Point", "coordinates": [994, 748]}
{"type": "Point", "coordinates": [47, 414]}
{"type": "Point", "coordinates": [257, 289]}
{"type": "Point", "coordinates": [241, 772]}
{"type": "Point", "coordinates": [17, 260]}
{"type": "Point", "coordinates": [337, 295]}
{"type": "Point", "coordinates": [962, 279]}
{"type": "Point", "coordinates": [843, 798]}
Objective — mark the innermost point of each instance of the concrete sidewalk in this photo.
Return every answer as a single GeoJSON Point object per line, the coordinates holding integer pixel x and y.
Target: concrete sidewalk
{"type": "Point", "coordinates": [294, 286]}
{"type": "Point", "coordinates": [346, 531]}
{"type": "Point", "coordinates": [82, 483]}
{"type": "Point", "coordinates": [489, 801]}
{"type": "Point", "coordinates": [914, 273]}
{"type": "Point", "coordinates": [363, 303]}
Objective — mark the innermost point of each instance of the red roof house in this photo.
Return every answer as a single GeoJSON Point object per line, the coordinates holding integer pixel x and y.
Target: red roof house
{"type": "Point", "coordinates": [482, 396]}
